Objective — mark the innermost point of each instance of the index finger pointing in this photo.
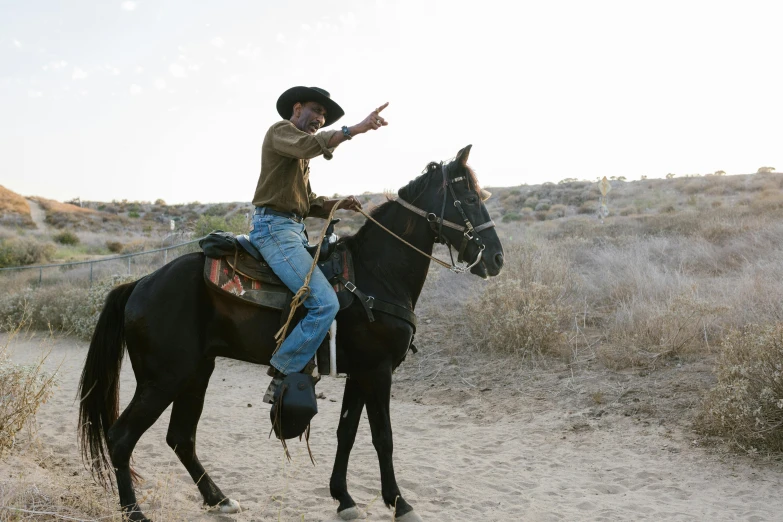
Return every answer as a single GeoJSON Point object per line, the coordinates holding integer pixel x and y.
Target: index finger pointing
{"type": "Point", "coordinates": [379, 109]}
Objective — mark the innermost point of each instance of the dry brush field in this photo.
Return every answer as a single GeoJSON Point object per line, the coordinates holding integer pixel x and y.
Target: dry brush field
{"type": "Point", "coordinates": [624, 368]}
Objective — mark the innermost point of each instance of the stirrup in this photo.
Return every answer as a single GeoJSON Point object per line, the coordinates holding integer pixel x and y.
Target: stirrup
{"type": "Point", "coordinates": [274, 385]}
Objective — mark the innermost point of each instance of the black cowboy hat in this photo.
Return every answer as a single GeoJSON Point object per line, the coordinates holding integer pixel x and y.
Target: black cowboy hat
{"type": "Point", "coordinates": [286, 101]}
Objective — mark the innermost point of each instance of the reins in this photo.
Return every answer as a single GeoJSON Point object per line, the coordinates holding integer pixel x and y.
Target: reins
{"type": "Point", "coordinates": [422, 213]}
{"type": "Point", "coordinates": [469, 232]}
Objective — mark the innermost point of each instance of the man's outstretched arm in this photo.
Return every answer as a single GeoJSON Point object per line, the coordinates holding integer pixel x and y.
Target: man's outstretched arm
{"type": "Point", "coordinates": [372, 122]}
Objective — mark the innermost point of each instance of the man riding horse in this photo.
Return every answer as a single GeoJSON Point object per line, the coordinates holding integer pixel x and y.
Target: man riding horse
{"type": "Point", "coordinates": [283, 199]}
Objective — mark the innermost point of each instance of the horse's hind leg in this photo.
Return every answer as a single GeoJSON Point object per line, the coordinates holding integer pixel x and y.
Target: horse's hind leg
{"type": "Point", "coordinates": [181, 436]}
{"type": "Point", "coordinates": [144, 409]}
{"type": "Point", "coordinates": [351, 414]}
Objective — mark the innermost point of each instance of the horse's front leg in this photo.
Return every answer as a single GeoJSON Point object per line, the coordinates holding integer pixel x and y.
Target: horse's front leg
{"type": "Point", "coordinates": [378, 396]}
{"type": "Point", "coordinates": [353, 403]}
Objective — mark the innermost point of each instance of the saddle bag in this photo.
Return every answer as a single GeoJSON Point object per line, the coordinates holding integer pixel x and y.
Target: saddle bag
{"type": "Point", "coordinates": [294, 406]}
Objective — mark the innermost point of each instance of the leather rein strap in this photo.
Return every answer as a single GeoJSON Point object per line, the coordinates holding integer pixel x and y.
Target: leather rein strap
{"type": "Point", "coordinates": [469, 232]}
{"type": "Point", "coordinates": [425, 254]}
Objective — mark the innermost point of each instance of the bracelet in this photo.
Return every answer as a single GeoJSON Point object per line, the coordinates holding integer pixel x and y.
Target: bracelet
{"type": "Point", "coordinates": [347, 133]}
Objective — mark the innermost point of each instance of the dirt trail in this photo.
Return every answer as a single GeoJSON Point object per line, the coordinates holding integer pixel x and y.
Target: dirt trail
{"type": "Point", "coordinates": [459, 456]}
{"type": "Point", "coordinates": [38, 215]}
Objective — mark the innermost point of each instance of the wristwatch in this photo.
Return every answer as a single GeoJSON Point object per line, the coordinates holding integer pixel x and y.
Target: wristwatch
{"type": "Point", "coordinates": [347, 133]}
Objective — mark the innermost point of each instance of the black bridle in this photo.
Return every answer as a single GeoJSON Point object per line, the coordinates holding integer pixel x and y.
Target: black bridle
{"type": "Point", "coordinates": [469, 232]}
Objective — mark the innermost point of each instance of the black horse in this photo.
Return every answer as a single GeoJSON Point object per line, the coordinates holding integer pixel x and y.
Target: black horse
{"type": "Point", "coordinates": [174, 326]}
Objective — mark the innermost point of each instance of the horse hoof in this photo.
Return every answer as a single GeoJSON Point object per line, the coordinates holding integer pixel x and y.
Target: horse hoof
{"type": "Point", "coordinates": [410, 516]}
{"type": "Point", "coordinates": [351, 513]}
{"type": "Point", "coordinates": [229, 506]}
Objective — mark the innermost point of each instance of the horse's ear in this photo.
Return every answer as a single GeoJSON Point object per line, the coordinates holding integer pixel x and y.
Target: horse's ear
{"type": "Point", "coordinates": [462, 156]}
{"type": "Point", "coordinates": [485, 194]}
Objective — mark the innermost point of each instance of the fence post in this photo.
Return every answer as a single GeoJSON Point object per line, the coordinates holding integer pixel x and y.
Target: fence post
{"type": "Point", "coordinates": [165, 256]}
{"type": "Point", "coordinates": [129, 265]}
{"type": "Point", "coordinates": [91, 274]}
{"type": "Point", "coordinates": [40, 275]}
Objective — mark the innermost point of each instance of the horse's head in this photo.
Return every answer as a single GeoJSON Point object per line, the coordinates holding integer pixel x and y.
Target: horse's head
{"type": "Point", "coordinates": [454, 203]}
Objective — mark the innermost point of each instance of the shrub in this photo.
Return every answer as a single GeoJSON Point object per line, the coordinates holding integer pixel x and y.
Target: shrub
{"type": "Point", "coordinates": [525, 310]}
{"type": "Point", "coordinates": [114, 246]}
{"type": "Point", "coordinates": [133, 214]}
{"type": "Point", "coordinates": [61, 307]}
{"type": "Point", "coordinates": [216, 210]}
{"type": "Point", "coordinates": [23, 389]}
{"type": "Point", "coordinates": [134, 247]}
{"type": "Point", "coordinates": [511, 216]}
{"type": "Point", "coordinates": [20, 252]}
{"type": "Point", "coordinates": [67, 238]}
{"type": "Point", "coordinates": [557, 211]}
{"type": "Point", "coordinates": [206, 224]}
{"type": "Point", "coordinates": [746, 404]}
{"type": "Point", "coordinates": [644, 333]}
{"type": "Point", "coordinates": [518, 318]}
{"type": "Point", "coordinates": [531, 202]}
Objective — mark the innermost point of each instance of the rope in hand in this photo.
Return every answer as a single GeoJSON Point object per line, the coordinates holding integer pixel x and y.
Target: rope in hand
{"type": "Point", "coordinates": [304, 291]}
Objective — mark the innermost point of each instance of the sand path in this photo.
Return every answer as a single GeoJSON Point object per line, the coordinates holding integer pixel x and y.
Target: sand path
{"type": "Point", "coordinates": [540, 463]}
{"type": "Point", "coordinates": [38, 215]}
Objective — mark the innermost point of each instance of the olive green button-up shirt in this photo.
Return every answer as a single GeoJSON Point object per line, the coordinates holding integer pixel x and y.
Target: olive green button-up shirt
{"type": "Point", "coordinates": [284, 183]}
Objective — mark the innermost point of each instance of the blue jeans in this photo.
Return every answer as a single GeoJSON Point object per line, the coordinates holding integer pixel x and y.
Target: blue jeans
{"type": "Point", "coordinates": [282, 243]}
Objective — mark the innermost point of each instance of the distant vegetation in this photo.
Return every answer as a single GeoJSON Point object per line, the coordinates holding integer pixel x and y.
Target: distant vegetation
{"type": "Point", "coordinates": [680, 270]}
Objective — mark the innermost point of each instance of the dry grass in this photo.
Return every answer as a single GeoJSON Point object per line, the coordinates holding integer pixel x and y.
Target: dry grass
{"type": "Point", "coordinates": [50, 205]}
{"type": "Point", "coordinates": [14, 209]}
{"type": "Point", "coordinates": [746, 405]}
{"type": "Point", "coordinates": [17, 251]}
{"type": "Point", "coordinates": [62, 307]}
{"type": "Point", "coordinates": [23, 390]}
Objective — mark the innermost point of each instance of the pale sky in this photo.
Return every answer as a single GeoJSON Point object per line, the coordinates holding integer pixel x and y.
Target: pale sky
{"type": "Point", "coordinates": [148, 99]}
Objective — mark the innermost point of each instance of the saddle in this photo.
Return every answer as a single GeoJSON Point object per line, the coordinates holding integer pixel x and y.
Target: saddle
{"type": "Point", "coordinates": [234, 266]}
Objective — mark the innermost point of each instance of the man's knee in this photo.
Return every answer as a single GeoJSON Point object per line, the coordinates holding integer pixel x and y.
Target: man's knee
{"type": "Point", "coordinates": [330, 306]}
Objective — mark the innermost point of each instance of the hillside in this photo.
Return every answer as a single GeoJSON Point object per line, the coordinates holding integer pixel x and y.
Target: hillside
{"type": "Point", "coordinates": [14, 210]}
{"type": "Point", "coordinates": [84, 229]}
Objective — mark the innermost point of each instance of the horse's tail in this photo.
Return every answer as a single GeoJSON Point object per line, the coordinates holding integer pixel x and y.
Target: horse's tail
{"type": "Point", "coordinates": [99, 388]}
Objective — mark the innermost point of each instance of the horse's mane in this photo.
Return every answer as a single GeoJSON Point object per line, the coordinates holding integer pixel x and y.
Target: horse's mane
{"type": "Point", "coordinates": [417, 186]}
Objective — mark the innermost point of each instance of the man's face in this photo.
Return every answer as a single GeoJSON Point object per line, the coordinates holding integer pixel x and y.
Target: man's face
{"type": "Point", "coordinates": [309, 116]}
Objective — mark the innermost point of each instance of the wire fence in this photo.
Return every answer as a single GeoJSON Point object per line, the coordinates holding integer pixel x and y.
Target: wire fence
{"type": "Point", "coordinates": [86, 272]}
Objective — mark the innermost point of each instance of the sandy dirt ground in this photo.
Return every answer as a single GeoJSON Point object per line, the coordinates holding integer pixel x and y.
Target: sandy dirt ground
{"type": "Point", "coordinates": [537, 450]}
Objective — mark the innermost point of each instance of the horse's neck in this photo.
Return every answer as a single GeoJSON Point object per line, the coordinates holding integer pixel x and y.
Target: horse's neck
{"type": "Point", "coordinates": [394, 265]}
